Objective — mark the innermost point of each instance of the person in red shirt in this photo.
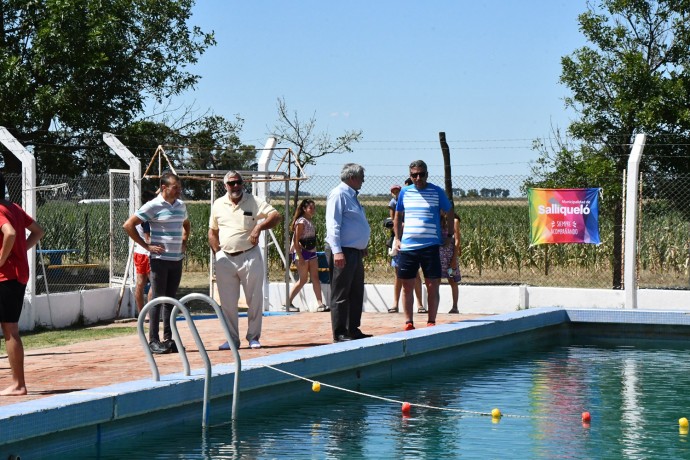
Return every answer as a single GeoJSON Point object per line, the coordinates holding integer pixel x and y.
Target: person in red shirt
{"type": "Point", "coordinates": [14, 274]}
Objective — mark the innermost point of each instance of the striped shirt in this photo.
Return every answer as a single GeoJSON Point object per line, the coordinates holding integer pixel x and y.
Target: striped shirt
{"type": "Point", "coordinates": [166, 221]}
{"type": "Point", "coordinates": [422, 210]}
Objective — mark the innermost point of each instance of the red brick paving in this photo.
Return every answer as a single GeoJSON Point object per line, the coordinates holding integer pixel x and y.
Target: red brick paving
{"type": "Point", "coordinates": [86, 365]}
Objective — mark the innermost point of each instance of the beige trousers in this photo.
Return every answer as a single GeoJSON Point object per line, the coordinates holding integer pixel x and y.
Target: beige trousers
{"type": "Point", "coordinates": [246, 270]}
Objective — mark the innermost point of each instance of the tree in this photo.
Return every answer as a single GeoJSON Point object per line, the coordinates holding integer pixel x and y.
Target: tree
{"type": "Point", "coordinates": [73, 69]}
{"type": "Point", "coordinates": [210, 142]}
{"type": "Point", "coordinates": [307, 144]}
{"type": "Point", "coordinates": [633, 79]}
{"type": "Point", "coordinates": [214, 143]}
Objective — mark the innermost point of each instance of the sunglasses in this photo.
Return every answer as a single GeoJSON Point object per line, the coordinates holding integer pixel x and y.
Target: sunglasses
{"type": "Point", "coordinates": [416, 175]}
{"type": "Point", "coordinates": [232, 183]}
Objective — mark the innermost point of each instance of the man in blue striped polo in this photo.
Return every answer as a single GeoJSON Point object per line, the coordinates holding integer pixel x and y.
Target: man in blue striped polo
{"type": "Point", "coordinates": [170, 228]}
{"type": "Point", "coordinates": [420, 206]}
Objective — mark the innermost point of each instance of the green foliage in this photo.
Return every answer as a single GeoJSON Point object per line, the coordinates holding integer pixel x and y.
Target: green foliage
{"type": "Point", "coordinates": [88, 66]}
{"type": "Point", "coordinates": [632, 79]}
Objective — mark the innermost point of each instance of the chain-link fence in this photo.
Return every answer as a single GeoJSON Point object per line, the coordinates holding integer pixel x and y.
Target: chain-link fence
{"type": "Point", "coordinates": [664, 233]}
{"type": "Point", "coordinates": [494, 231]}
{"type": "Point", "coordinates": [74, 254]}
{"type": "Point", "coordinates": [494, 222]}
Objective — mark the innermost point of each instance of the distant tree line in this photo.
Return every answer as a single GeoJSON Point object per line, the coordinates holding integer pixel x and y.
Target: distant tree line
{"type": "Point", "coordinates": [483, 193]}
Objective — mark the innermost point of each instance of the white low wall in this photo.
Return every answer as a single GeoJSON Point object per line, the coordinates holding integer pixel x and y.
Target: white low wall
{"type": "Point", "coordinates": [499, 299]}
{"type": "Point", "coordinates": [101, 304]}
{"type": "Point", "coordinates": [68, 308]}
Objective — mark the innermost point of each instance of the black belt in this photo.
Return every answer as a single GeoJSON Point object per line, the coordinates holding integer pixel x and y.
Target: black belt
{"type": "Point", "coordinates": [233, 254]}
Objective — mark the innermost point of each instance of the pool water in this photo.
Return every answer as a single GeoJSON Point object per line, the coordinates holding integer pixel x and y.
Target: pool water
{"type": "Point", "coordinates": [635, 395]}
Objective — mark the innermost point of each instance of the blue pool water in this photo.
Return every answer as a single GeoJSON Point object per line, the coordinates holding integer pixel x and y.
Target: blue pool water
{"type": "Point", "coordinates": [635, 395]}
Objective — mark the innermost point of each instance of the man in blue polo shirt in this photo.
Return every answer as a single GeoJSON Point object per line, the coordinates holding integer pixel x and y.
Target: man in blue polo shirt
{"type": "Point", "coordinates": [420, 206]}
{"type": "Point", "coordinates": [167, 216]}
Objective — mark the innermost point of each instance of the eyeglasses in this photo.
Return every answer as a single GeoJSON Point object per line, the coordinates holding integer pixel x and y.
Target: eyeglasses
{"type": "Point", "coordinates": [416, 175]}
{"type": "Point", "coordinates": [232, 183]}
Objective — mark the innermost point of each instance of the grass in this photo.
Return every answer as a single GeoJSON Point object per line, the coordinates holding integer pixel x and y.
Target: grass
{"type": "Point", "coordinates": [56, 338]}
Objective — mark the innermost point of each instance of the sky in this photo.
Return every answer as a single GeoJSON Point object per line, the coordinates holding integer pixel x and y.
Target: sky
{"type": "Point", "coordinates": [484, 72]}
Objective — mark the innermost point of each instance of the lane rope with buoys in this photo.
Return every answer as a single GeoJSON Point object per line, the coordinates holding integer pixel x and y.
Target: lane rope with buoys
{"type": "Point", "coordinates": [317, 385]}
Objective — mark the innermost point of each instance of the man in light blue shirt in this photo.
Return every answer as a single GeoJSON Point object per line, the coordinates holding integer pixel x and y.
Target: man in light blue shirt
{"type": "Point", "coordinates": [347, 238]}
{"type": "Point", "coordinates": [420, 206]}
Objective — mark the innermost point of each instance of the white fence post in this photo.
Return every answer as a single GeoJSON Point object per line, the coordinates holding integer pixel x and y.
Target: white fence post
{"type": "Point", "coordinates": [28, 203]}
{"type": "Point", "coordinates": [134, 167]}
{"type": "Point", "coordinates": [630, 276]}
{"type": "Point", "coordinates": [134, 197]}
{"type": "Point", "coordinates": [261, 190]}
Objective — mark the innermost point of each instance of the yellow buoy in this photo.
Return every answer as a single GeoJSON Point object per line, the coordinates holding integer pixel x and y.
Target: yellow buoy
{"type": "Point", "coordinates": [495, 413]}
{"type": "Point", "coordinates": [316, 387]}
{"type": "Point", "coordinates": [683, 422]}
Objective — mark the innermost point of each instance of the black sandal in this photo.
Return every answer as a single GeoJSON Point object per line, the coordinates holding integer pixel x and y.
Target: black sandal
{"type": "Point", "coordinates": [393, 310]}
{"type": "Point", "coordinates": [323, 308]}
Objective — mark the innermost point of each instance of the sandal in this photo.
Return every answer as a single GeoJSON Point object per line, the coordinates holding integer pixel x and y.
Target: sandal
{"type": "Point", "coordinates": [291, 308]}
{"type": "Point", "coordinates": [454, 311]}
{"type": "Point", "coordinates": [393, 310]}
{"type": "Point", "coordinates": [323, 307]}
{"type": "Point", "coordinates": [430, 323]}
{"type": "Point", "coordinates": [421, 309]}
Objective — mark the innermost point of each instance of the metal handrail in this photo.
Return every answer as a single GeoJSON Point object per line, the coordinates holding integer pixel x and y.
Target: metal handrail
{"type": "Point", "coordinates": [228, 337]}
{"type": "Point", "coordinates": [177, 305]}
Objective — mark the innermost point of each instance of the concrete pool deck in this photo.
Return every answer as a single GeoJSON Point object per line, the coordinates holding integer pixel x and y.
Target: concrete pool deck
{"type": "Point", "coordinates": [97, 363]}
{"type": "Point", "coordinates": [57, 416]}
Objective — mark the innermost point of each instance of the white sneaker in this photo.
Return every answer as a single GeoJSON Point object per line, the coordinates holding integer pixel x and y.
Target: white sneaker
{"type": "Point", "coordinates": [226, 346]}
{"type": "Point", "coordinates": [254, 344]}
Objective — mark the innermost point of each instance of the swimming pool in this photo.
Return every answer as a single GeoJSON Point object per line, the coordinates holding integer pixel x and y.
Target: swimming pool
{"type": "Point", "coordinates": [372, 365]}
{"type": "Point", "coordinates": [636, 395]}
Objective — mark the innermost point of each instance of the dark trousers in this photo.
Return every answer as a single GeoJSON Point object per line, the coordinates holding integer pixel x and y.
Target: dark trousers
{"type": "Point", "coordinates": [347, 291]}
{"type": "Point", "coordinates": [165, 278]}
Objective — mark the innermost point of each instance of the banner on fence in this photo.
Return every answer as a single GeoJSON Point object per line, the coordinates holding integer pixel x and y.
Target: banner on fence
{"type": "Point", "coordinates": [564, 215]}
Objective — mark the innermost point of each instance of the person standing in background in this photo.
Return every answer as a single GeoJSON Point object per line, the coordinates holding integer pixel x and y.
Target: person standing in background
{"type": "Point", "coordinates": [303, 253]}
{"type": "Point", "coordinates": [450, 265]}
{"type": "Point", "coordinates": [170, 229]}
{"type": "Point", "coordinates": [347, 238]}
{"type": "Point", "coordinates": [14, 275]}
{"type": "Point", "coordinates": [418, 240]}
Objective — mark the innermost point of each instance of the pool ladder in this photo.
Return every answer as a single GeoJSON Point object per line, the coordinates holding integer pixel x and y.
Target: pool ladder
{"type": "Point", "coordinates": [179, 306]}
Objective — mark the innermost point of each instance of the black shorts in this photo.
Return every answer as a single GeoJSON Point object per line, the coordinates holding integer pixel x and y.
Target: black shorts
{"type": "Point", "coordinates": [428, 259]}
{"type": "Point", "coordinates": [11, 300]}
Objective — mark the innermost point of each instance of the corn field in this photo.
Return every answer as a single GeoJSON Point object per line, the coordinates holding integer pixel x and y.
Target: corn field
{"type": "Point", "coordinates": [494, 234]}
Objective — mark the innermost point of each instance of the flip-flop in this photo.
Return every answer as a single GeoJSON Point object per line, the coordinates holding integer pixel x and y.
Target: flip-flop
{"type": "Point", "coordinates": [421, 310]}
{"type": "Point", "coordinates": [291, 308]}
{"type": "Point", "coordinates": [393, 310]}
{"type": "Point", "coordinates": [323, 308]}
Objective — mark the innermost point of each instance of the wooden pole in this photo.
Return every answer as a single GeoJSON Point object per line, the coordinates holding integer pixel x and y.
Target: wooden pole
{"type": "Point", "coordinates": [446, 166]}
